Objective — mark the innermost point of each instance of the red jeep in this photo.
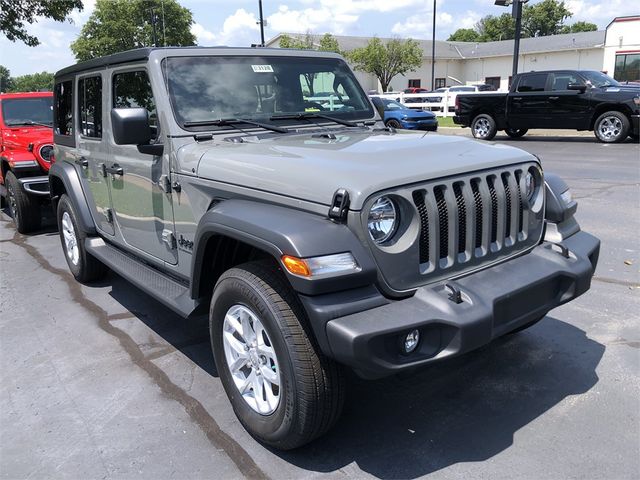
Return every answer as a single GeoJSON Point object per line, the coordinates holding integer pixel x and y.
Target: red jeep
{"type": "Point", "coordinates": [26, 151]}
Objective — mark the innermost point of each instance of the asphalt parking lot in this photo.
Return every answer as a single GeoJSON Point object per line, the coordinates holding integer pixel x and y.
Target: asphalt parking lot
{"type": "Point", "coordinates": [101, 381]}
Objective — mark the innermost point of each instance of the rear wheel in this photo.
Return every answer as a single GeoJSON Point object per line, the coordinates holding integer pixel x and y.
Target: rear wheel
{"type": "Point", "coordinates": [393, 123]}
{"type": "Point", "coordinates": [516, 132]}
{"type": "Point", "coordinates": [83, 266]}
{"type": "Point", "coordinates": [483, 127]}
{"type": "Point", "coordinates": [612, 127]}
{"type": "Point", "coordinates": [24, 209]}
{"type": "Point", "coordinates": [284, 391]}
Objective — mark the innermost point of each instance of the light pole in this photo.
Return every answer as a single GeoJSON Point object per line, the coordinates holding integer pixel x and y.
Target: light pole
{"type": "Point", "coordinates": [433, 49]}
{"type": "Point", "coordinates": [516, 12]}
{"type": "Point", "coordinates": [261, 23]}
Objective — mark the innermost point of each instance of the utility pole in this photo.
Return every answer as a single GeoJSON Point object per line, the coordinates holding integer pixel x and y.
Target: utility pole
{"type": "Point", "coordinates": [516, 12]}
{"type": "Point", "coordinates": [433, 49]}
{"type": "Point", "coordinates": [153, 24]}
{"type": "Point", "coordinates": [261, 24]}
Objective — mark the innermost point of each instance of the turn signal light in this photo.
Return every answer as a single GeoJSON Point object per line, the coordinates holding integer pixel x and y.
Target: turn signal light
{"type": "Point", "coordinates": [296, 265]}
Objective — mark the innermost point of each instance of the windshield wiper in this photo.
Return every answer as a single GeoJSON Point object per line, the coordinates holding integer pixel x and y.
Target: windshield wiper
{"type": "Point", "coordinates": [309, 115]}
{"type": "Point", "coordinates": [223, 122]}
{"type": "Point", "coordinates": [28, 122]}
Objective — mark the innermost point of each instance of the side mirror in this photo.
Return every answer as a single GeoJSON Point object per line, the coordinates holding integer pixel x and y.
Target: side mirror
{"type": "Point", "coordinates": [130, 126]}
{"type": "Point", "coordinates": [577, 86]}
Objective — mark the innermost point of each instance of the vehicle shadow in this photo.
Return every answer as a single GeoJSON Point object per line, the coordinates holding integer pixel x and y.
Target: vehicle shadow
{"type": "Point", "coordinates": [465, 409]}
{"type": "Point", "coordinates": [558, 138]}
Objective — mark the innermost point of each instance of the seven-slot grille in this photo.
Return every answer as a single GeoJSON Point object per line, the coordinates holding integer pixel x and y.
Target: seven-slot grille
{"type": "Point", "coordinates": [468, 218]}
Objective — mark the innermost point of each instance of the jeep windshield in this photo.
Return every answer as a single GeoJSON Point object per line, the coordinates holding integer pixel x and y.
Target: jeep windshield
{"type": "Point", "coordinates": [206, 89]}
{"type": "Point", "coordinates": [19, 112]}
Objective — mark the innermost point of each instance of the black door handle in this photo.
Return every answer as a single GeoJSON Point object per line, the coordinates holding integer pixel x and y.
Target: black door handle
{"type": "Point", "coordinates": [83, 162]}
{"type": "Point", "coordinates": [114, 169]}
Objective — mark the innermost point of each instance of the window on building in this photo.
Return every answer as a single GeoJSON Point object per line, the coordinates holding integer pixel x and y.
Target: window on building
{"type": "Point", "coordinates": [414, 83]}
{"type": "Point", "coordinates": [532, 82]}
{"type": "Point", "coordinates": [627, 67]}
{"type": "Point", "coordinates": [441, 82]}
{"type": "Point", "coordinates": [90, 106]}
{"type": "Point", "coordinates": [63, 114]}
{"type": "Point", "coordinates": [133, 90]}
{"type": "Point", "coordinates": [493, 81]}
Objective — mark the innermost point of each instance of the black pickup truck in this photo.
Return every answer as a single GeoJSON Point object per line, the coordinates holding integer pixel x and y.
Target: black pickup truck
{"type": "Point", "coordinates": [572, 99]}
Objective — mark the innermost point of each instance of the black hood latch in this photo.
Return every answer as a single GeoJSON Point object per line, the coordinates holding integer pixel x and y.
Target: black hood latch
{"type": "Point", "coordinates": [339, 205]}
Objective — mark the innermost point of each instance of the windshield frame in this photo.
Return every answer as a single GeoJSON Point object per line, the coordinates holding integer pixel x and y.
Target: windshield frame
{"type": "Point", "coordinates": [36, 123]}
{"type": "Point", "coordinates": [264, 117]}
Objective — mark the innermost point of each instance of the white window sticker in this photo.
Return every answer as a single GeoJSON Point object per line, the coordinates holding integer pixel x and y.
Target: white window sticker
{"type": "Point", "coordinates": [262, 68]}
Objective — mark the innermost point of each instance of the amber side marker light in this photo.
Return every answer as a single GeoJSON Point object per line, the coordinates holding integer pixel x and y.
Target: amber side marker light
{"type": "Point", "coordinates": [295, 265]}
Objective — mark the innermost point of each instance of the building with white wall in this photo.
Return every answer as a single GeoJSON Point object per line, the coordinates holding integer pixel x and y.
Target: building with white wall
{"type": "Point", "coordinates": [615, 50]}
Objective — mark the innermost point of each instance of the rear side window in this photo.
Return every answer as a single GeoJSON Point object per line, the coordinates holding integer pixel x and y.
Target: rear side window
{"type": "Point", "coordinates": [63, 113]}
{"type": "Point", "coordinates": [532, 83]}
{"type": "Point", "coordinates": [133, 90]}
{"type": "Point", "coordinates": [90, 106]}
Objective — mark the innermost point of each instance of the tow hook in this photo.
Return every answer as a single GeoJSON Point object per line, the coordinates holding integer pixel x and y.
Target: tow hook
{"type": "Point", "coordinates": [453, 292]}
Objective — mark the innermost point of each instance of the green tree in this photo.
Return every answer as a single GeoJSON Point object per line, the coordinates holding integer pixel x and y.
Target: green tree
{"type": "Point", "coordinates": [5, 79]}
{"type": "Point", "coordinates": [492, 28]}
{"type": "Point", "coordinates": [386, 60]}
{"type": "Point", "coordinates": [579, 27]}
{"type": "Point", "coordinates": [328, 43]}
{"type": "Point", "coordinates": [118, 25]}
{"type": "Point", "coordinates": [299, 43]}
{"type": "Point", "coordinates": [464, 35]}
{"type": "Point", "coordinates": [33, 82]}
{"type": "Point", "coordinates": [544, 18]}
{"type": "Point", "coordinates": [15, 13]}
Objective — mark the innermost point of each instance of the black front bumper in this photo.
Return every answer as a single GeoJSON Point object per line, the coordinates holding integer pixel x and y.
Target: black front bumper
{"type": "Point", "coordinates": [496, 300]}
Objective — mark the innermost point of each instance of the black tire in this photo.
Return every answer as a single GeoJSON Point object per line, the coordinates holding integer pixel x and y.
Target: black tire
{"type": "Point", "coordinates": [84, 267]}
{"type": "Point", "coordinates": [483, 127]}
{"type": "Point", "coordinates": [611, 127]}
{"type": "Point", "coordinates": [526, 325]}
{"type": "Point", "coordinates": [311, 391]}
{"type": "Point", "coordinates": [516, 132]}
{"type": "Point", "coordinates": [24, 209]}
{"type": "Point", "coordinates": [393, 123]}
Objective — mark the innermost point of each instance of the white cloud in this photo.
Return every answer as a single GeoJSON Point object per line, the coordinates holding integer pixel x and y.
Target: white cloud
{"type": "Point", "coordinates": [421, 25]}
{"type": "Point", "coordinates": [238, 29]}
{"type": "Point", "coordinates": [79, 18]}
{"type": "Point", "coordinates": [600, 13]}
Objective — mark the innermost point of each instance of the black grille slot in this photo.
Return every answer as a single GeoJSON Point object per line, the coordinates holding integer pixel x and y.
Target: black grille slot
{"type": "Point", "coordinates": [478, 202]}
{"type": "Point", "coordinates": [507, 193]}
{"type": "Point", "coordinates": [443, 217]}
{"type": "Point", "coordinates": [518, 174]}
{"type": "Point", "coordinates": [494, 209]}
{"type": "Point", "coordinates": [462, 218]}
{"type": "Point", "coordinates": [418, 199]}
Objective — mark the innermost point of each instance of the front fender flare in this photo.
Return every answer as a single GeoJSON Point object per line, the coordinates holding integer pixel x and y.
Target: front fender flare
{"type": "Point", "coordinates": [68, 175]}
{"type": "Point", "coordinates": [281, 231]}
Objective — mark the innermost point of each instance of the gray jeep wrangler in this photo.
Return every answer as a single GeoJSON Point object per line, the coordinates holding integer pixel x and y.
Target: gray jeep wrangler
{"type": "Point", "coordinates": [318, 239]}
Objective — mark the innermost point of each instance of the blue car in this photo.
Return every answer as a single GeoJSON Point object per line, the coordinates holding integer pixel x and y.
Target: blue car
{"type": "Point", "coordinates": [396, 115]}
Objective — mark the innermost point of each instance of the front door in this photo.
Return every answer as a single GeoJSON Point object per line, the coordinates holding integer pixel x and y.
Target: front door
{"type": "Point", "coordinates": [92, 149]}
{"type": "Point", "coordinates": [527, 105]}
{"type": "Point", "coordinates": [568, 108]}
{"type": "Point", "coordinates": [143, 211]}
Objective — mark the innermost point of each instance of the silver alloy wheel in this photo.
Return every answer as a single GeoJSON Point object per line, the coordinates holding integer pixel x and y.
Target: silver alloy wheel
{"type": "Point", "coordinates": [481, 128]}
{"type": "Point", "coordinates": [70, 239]}
{"type": "Point", "coordinates": [610, 127]}
{"type": "Point", "coordinates": [251, 359]}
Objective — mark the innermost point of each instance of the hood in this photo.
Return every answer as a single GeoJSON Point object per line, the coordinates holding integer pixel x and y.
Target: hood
{"type": "Point", "coordinates": [23, 136]}
{"type": "Point", "coordinates": [312, 168]}
{"type": "Point", "coordinates": [416, 113]}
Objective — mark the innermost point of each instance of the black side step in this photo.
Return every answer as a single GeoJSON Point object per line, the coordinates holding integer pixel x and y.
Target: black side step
{"type": "Point", "coordinates": [161, 287]}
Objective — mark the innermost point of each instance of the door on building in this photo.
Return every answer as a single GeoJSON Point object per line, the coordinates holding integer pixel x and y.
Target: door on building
{"type": "Point", "coordinates": [528, 105]}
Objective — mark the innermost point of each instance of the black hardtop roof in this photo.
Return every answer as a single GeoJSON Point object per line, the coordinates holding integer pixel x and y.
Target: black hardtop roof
{"type": "Point", "coordinates": [143, 54]}
{"type": "Point", "coordinates": [559, 70]}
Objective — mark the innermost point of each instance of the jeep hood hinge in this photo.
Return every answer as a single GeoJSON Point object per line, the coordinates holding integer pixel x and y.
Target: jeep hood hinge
{"type": "Point", "coordinates": [339, 205]}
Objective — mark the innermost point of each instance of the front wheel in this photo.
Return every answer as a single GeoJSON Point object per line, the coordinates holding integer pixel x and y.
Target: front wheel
{"type": "Point", "coordinates": [24, 209]}
{"type": "Point", "coordinates": [611, 127]}
{"type": "Point", "coordinates": [83, 266]}
{"type": "Point", "coordinates": [393, 123]}
{"type": "Point", "coordinates": [483, 127]}
{"type": "Point", "coordinates": [284, 391]}
{"type": "Point", "coordinates": [516, 132]}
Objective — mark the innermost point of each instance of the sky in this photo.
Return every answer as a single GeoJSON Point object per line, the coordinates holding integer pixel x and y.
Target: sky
{"type": "Point", "coordinates": [234, 23]}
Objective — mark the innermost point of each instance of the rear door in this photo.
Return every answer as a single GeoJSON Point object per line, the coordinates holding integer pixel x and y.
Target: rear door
{"type": "Point", "coordinates": [143, 211]}
{"type": "Point", "coordinates": [567, 108]}
{"type": "Point", "coordinates": [528, 104]}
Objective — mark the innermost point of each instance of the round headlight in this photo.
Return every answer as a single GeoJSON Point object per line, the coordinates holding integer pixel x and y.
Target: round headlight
{"type": "Point", "coordinates": [530, 186]}
{"type": "Point", "coordinates": [382, 220]}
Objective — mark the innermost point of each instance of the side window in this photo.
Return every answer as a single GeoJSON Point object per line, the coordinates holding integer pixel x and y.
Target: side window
{"type": "Point", "coordinates": [90, 106]}
{"type": "Point", "coordinates": [63, 115]}
{"type": "Point", "coordinates": [561, 81]}
{"type": "Point", "coordinates": [532, 83]}
{"type": "Point", "coordinates": [132, 90]}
